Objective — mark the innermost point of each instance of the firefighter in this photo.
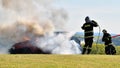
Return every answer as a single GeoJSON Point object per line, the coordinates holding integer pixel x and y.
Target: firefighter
{"type": "Point", "coordinates": [88, 34]}
{"type": "Point", "coordinates": [109, 48]}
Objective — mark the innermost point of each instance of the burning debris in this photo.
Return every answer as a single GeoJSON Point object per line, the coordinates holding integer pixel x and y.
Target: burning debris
{"type": "Point", "coordinates": [57, 44]}
{"type": "Point", "coordinates": [25, 47]}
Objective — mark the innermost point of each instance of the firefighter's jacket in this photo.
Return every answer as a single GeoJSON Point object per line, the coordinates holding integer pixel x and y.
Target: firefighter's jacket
{"type": "Point", "coordinates": [107, 38]}
{"type": "Point", "coordinates": [88, 29]}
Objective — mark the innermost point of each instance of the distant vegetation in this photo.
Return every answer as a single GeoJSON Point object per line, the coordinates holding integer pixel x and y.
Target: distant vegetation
{"type": "Point", "coordinates": [100, 48]}
{"type": "Point", "coordinates": [116, 41]}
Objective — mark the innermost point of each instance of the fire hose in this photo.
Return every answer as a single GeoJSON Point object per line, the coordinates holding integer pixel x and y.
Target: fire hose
{"type": "Point", "coordinates": [98, 40]}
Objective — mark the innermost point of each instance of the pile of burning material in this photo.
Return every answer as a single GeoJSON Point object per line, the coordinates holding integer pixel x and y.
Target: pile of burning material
{"type": "Point", "coordinates": [57, 44]}
{"type": "Point", "coordinates": [25, 47]}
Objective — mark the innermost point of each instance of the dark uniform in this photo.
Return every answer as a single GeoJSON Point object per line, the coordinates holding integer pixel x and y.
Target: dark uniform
{"type": "Point", "coordinates": [109, 48]}
{"type": "Point", "coordinates": [88, 34]}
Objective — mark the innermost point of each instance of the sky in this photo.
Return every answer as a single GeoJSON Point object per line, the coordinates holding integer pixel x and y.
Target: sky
{"type": "Point", "coordinates": [105, 12]}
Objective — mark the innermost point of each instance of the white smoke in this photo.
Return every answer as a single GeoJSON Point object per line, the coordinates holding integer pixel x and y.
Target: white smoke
{"type": "Point", "coordinates": [33, 19]}
{"type": "Point", "coordinates": [59, 44]}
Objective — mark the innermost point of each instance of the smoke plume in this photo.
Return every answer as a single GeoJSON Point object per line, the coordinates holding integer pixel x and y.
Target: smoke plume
{"type": "Point", "coordinates": [35, 20]}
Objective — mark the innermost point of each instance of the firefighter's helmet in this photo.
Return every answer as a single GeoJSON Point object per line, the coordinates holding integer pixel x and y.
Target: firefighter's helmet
{"type": "Point", "coordinates": [104, 30]}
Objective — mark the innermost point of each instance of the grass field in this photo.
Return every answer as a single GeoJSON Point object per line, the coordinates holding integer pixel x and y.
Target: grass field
{"type": "Point", "coordinates": [59, 61]}
{"type": "Point", "coordinates": [97, 59]}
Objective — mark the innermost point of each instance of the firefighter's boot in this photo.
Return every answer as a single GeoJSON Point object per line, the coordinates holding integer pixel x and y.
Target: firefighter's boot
{"type": "Point", "coordinates": [88, 51]}
{"type": "Point", "coordinates": [84, 50]}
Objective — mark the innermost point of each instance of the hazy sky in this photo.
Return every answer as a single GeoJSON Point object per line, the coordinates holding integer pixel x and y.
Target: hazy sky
{"type": "Point", "coordinates": [105, 12]}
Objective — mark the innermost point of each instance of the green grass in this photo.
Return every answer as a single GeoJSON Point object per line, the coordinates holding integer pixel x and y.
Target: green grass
{"type": "Point", "coordinates": [59, 61]}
